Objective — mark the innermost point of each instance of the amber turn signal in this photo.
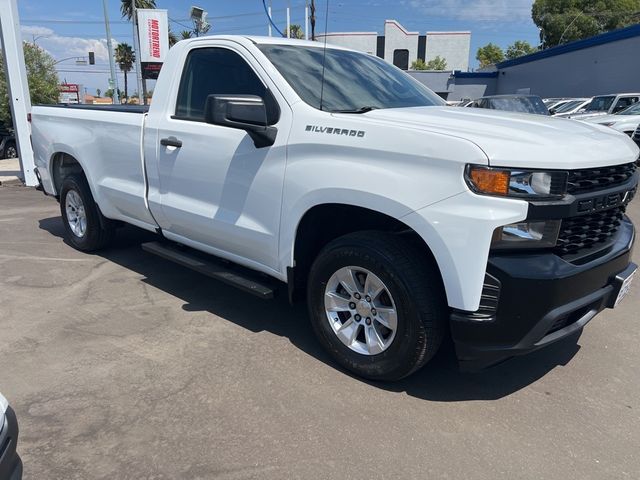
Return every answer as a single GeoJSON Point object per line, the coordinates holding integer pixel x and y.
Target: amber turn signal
{"type": "Point", "coordinates": [486, 180]}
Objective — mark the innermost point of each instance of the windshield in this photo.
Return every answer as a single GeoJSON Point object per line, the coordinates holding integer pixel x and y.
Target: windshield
{"type": "Point", "coordinates": [520, 104]}
{"type": "Point", "coordinates": [354, 82]}
{"type": "Point", "coordinates": [600, 104]}
{"type": "Point", "coordinates": [569, 106]}
{"type": "Point", "coordinates": [632, 110]}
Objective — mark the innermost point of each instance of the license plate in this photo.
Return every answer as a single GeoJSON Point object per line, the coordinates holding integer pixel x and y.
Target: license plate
{"type": "Point", "coordinates": [624, 289]}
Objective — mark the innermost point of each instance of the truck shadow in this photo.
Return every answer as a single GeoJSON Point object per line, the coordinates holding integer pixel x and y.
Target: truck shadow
{"type": "Point", "coordinates": [439, 381]}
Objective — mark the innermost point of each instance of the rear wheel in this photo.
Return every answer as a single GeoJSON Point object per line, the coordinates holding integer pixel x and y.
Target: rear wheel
{"type": "Point", "coordinates": [10, 151]}
{"type": "Point", "coordinates": [86, 228]}
{"type": "Point", "coordinates": [377, 305]}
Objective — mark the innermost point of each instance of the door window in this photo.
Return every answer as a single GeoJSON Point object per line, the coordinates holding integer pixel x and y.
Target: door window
{"type": "Point", "coordinates": [218, 71]}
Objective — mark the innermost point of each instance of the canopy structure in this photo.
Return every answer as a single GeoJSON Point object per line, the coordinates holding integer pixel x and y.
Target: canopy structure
{"type": "Point", "coordinates": [16, 75]}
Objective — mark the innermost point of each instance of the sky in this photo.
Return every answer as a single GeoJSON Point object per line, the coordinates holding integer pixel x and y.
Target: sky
{"type": "Point", "coordinates": [66, 29]}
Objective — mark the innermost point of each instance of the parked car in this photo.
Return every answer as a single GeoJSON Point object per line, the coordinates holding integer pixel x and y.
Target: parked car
{"type": "Point", "coordinates": [7, 143]}
{"type": "Point", "coordinates": [574, 106]}
{"type": "Point", "coordinates": [554, 105]}
{"type": "Point", "coordinates": [625, 121]}
{"type": "Point", "coordinates": [513, 103]}
{"type": "Point", "coordinates": [607, 105]}
{"type": "Point", "coordinates": [636, 136]}
{"type": "Point", "coordinates": [400, 220]}
{"type": "Point", "coordinates": [10, 463]}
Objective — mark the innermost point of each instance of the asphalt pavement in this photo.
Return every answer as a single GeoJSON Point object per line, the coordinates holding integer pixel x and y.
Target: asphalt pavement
{"type": "Point", "coordinates": [122, 365]}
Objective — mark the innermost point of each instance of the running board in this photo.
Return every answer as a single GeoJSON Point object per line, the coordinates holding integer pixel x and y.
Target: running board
{"type": "Point", "coordinates": [212, 267]}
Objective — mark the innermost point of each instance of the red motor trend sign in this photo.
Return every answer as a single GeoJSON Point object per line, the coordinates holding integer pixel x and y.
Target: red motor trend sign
{"type": "Point", "coordinates": [153, 26]}
{"type": "Point", "coordinates": [154, 38]}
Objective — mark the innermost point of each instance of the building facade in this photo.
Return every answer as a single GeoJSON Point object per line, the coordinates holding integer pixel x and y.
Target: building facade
{"type": "Point", "coordinates": [599, 65]}
{"type": "Point", "coordinates": [402, 47]}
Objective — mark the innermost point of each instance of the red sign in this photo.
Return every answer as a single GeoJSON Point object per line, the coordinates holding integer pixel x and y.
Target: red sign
{"type": "Point", "coordinates": [69, 88]}
{"type": "Point", "coordinates": [154, 37]}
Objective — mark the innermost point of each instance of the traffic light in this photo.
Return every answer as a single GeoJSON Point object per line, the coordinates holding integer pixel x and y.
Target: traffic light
{"type": "Point", "coordinates": [92, 58]}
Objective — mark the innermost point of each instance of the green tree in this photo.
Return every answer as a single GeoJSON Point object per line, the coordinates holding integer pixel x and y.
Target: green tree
{"type": "Point", "coordinates": [519, 48]}
{"type": "Point", "coordinates": [173, 38]}
{"type": "Point", "coordinates": [562, 21]}
{"type": "Point", "coordinates": [125, 58]}
{"type": "Point", "coordinates": [126, 7]}
{"type": "Point", "coordinates": [186, 34]}
{"type": "Point", "coordinates": [419, 64]}
{"type": "Point", "coordinates": [437, 63]}
{"type": "Point", "coordinates": [42, 78]}
{"type": "Point", "coordinates": [490, 54]}
{"type": "Point", "coordinates": [295, 31]}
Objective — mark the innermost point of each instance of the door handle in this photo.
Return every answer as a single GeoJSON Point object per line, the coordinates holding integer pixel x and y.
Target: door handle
{"type": "Point", "coordinates": [171, 142]}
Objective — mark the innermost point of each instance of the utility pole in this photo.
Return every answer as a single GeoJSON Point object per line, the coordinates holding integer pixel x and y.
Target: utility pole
{"type": "Point", "coordinates": [289, 20]}
{"type": "Point", "coordinates": [313, 20]}
{"type": "Point", "coordinates": [306, 20]}
{"type": "Point", "coordinates": [113, 81]}
{"type": "Point", "coordinates": [136, 47]}
{"type": "Point", "coordinates": [16, 75]}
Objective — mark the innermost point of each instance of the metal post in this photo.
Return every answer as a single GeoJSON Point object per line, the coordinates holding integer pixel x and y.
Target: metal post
{"type": "Point", "coordinates": [16, 74]}
{"type": "Point", "coordinates": [288, 22]}
{"type": "Point", "coordinates": [136, 47]}
{"type": "Point", "coordinates": [113, 81]}
{"type": "Point", "coordinates": [306, 20]}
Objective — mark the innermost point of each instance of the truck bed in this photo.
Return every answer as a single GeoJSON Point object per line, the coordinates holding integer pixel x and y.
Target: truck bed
{"type": "Point", "coordinates": [109, 108]}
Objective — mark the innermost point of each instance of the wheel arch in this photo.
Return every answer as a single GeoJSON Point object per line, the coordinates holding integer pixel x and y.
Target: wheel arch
{"type": "Point", "coordinates": [324, 222]}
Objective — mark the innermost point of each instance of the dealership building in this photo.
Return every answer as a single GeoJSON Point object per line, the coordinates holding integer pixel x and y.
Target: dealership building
{"type": "Point", "coordinates": [599, 65]}
{"type": "Point", "coordinates": [402, 48]}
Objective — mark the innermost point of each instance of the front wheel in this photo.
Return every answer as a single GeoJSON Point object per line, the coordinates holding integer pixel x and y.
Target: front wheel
{"type": "Point", "coordinates": [377, 305]}
{"type": "Point", "coordinates": [86, 228]}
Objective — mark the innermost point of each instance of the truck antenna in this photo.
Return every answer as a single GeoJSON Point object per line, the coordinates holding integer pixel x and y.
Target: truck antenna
{"type": "Point", "coordinates": [324, 53]}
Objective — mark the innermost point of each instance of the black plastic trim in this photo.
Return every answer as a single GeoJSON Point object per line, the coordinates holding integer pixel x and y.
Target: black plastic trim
{"type": "Point", "coordinates": [10, 463]}
{"type": "Point", "coordinates": [538, 289]}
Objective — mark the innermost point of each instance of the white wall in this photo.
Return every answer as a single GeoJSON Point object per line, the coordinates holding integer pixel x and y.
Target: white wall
{"type": "Point", "coordinates": [366, 42]}
{"type": "Point", "coordinates": [397, 38]}
{"type": "Point", "coordinates": [452, 46]}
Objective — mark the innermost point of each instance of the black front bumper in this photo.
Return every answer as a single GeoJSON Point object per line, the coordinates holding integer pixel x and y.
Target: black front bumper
{"type": "Point", "coordinates": [10, 463]}
{"type": "Point", "coordinates": [542, 299]}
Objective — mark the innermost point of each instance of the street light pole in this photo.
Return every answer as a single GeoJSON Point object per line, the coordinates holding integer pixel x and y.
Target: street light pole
{"type": "Point", "coordinates": [113, 81]}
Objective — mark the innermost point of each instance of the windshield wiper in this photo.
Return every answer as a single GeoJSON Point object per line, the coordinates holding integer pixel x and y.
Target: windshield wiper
{"type": "Point", "coordinates": [356, 110]}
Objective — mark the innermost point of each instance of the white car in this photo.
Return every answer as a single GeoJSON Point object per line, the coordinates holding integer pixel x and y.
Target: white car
{"type": "Point", "coordinates": [572, 106]}
{"type": "Point", "coordinates": [10, 463]}
{"type": "Point", "coordinates": [606, 105]}
{"type": "Point", "coordinates": [625, 121]}
{"type": "Point", "coordinates": [337, 178]}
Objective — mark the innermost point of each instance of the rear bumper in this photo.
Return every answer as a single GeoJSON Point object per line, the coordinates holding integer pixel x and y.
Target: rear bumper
{"type": "Point", "coordinates": [10, 463]}
{"type": "Point", "coordinates": [542, 299]}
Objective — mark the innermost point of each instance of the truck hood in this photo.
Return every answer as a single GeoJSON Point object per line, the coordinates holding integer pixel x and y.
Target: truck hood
{"type": "Point", "coordinates": [519, 140]}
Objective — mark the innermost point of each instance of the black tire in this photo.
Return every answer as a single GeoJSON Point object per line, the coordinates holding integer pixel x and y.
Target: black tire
{"type": "Point", "coordinates": [414, 283]}
{"type": "Point", "coordinates": [98, 233]}
{"type": "Point", "coordinates": [10, 150]}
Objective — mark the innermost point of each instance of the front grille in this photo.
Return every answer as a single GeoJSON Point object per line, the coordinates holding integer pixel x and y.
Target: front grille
{"type": "Point", "coordinates": [586, 232]}
{"type": "Point", "coordinates": [592, 179]}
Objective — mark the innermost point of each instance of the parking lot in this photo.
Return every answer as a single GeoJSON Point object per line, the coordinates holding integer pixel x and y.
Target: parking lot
{"type": "Point", "coordinates": [123, 365]}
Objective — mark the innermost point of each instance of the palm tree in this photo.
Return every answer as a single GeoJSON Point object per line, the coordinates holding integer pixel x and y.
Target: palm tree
{"type": "Point", "coordinates": [186, 34]}
{"type": "Point", "coordinates": [173, 38]}
{"type": "Point", "coordinates": [125, 58]}
{"type": "Point", "coordinates": [127, 10]}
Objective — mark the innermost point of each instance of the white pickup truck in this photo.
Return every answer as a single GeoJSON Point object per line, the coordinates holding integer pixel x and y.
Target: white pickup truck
{"type": "Point", "coordinates": [264, 162]}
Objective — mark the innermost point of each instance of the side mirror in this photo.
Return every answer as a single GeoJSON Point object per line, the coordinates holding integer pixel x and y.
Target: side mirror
{"type": "Point", "coordinates": [243, 112]}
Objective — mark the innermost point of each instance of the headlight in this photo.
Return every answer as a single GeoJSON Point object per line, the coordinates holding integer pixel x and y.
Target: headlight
{"type": "Point", "coordinates": [534, 234]}
{"type": "Point", "coordinates": [516, 183]}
